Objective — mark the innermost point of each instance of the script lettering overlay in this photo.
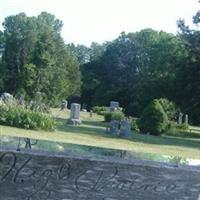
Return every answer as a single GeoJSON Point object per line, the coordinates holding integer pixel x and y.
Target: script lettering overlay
{"type": "Point", "coordinates": [40, 177]}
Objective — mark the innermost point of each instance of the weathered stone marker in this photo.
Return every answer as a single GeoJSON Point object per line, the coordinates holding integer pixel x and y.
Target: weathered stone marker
{"type": "Point", "coordinates": [25, 176]}
{"type": "Point", "coordinates": [186, 119]}
{"type": "Point", "coordinates": [114, 127]}
{"type": "Point", "coordinates": [125, 128]}
{"type": "Point", "coordinates": [64, 105]}
{"type": "Point", "coordinates": [180, 118]}
{"type": "Point", "coordinates": [75, 113]}
{"type": "Point", "coordinates": [114, 105]}
{"type": "Point", "coordinates": [7, 97]}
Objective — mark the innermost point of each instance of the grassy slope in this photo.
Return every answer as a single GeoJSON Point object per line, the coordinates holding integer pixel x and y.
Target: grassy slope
{"type": "Point", "coordinates": [93, 133]}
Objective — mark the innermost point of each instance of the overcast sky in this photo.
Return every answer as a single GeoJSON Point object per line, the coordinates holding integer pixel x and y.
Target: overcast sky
{"type": "Point", "coordinates": [102, 20]}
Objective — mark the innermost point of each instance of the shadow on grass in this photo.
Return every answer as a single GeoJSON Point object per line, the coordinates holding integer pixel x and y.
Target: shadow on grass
{"type": "Point", "coordinates": [166, 140]}
{"type": "Point", "coordinates": [95, 123]}
{"type": "Point", "coordinates": [185, 134]}
{"type": "Point", "coordinates": [96, 128]}
{"type": "Point", "coordinates": [88, 127]}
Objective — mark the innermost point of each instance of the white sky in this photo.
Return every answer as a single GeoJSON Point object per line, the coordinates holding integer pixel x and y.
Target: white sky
{"type": "Point", "coordinates": [102, 20]}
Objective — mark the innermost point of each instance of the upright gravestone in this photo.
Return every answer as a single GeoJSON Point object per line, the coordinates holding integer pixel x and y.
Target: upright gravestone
{"type": "Point", "coordinates": [114, 105]}
{"type": "Point", "coordinates": [91, 113]}
{"type": "Point", "coordinates": [180, 118]}
{"type": "Point", "coordinates": [125, 128]}
{"type": "Point", "coordinates": [21, 100]}
{"type": "Point", "coordinates": [75, 114]}
{"type": "Point", "coordinates": [64, 105]}
{"type": "Point", "coordinates": [186, 119]}
{"type": "Point", "coordinates": [114, 127]}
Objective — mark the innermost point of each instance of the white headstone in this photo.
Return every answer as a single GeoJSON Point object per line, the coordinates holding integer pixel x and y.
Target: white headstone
{"type": "Point", "coordinates": [180, 118]}
{"type": "Point", "coordinates": [186, 119]}
{"type": "Point", "coordinates": [75, 113]}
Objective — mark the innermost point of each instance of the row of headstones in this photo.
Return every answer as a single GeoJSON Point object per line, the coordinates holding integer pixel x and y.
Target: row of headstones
{"type": "Point", "coordinates": [64, 106]}
{"type": "Point", "coordinates": [180, 118]}
{"type": "Point", "coordinates": [75, 110]}
{"type": "Point", "coordinates": [118, 128]}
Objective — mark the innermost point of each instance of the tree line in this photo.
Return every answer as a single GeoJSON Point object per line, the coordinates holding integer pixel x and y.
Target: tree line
{"type": "Point", "coordinates": [133, 69]}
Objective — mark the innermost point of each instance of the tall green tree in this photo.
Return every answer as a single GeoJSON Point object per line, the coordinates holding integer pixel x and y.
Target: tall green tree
{"type": "Point", "coordinates": [36, 58]}
{"type": "Point", "coordinates": [81, 52]}
{"type": "Point", "coordinates": [160, 54]}
{"type": "Point", "coordinates": [188, 73]}
{"type": "Point", "coordinates": [113, 75]}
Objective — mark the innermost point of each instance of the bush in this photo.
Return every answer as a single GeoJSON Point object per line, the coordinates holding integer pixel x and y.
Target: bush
{"type": "Point", "coordinates": [180, 130]}
{"type": "Point", "coordinates": [20, 117]}
{"type": "Point", "coordinates": [117, 115]}
{"type": "Point", "coordinates": [153, 120]}
{"type": "Point", "coordinates": [107, 116]}
{"type": "Point", "coordinates": [170, 108]}
{"type": "Point", "coordinates": [173, 126]}
{"type": "Point", "coordinates": [134, 124]}
{"type": "Point", "coordinates": [100, 110]}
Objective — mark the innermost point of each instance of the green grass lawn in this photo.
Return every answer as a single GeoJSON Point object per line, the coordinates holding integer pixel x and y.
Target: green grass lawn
{"type": "Point", "coordinates": [92, 132]}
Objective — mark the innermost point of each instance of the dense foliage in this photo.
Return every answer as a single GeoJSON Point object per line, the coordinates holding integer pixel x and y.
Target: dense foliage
{"type": "Point", "coordinates": [135, 124]}
{"type": "Point", "coordinates": [18, 116]}
{"type": "Point", "coordinates": [36, 59]}
{"type": "Point", "coordinates": [154, 119]}
{"type": "Point", "coordinates": [134, 69]}
{"type": "Point", "coordinates": [170, 108]}
{"type": "Point", "coordinates": [100, 110]}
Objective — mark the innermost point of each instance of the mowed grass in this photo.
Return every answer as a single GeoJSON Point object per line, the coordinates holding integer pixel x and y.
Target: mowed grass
{"type": "Point", "coordinates": [92, 132]}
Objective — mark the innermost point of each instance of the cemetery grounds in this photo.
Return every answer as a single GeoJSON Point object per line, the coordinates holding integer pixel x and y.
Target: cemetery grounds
{"type": "Point", "coordinates": [91, 135]}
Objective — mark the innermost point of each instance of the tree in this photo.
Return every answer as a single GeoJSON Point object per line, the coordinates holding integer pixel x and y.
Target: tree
{"type": "Point", "coordinates": [188, 72]}
{"type": "Point", "coordinates": [134, 69]}
{"type": "Point", "coordinates": [35, 56]}
{"type": "Point", "coordinates": [97, 50]}
{"type": "Point", "coordinates": [159, 55]}
{"type": "Point", "coordinates": [113, 75]}
{"type": "Point", "coordinates": [81, 52]}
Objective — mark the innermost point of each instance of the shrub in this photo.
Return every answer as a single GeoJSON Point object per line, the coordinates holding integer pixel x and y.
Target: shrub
{"type": "Point", "coordinates": [100, 110]}
{"type": "Point", "coordinates": [153, 120]}
{"type": "Point", "coordinates": [169, 107]}
{"type": "Point", "coordinates": [180, 130]}
{"type": "Point", "coordinates": [117, 115]}
{"type": "Point", "coordinates": [107, 116]}
{"type": "Point", "coordinates": [20, 117]}
{"type": "Point", "coordinates": [178, 127]}
{"type": "Point", "coordinates": [134, 124]}
{"type": "Point", "coordinates": [183, 126]}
